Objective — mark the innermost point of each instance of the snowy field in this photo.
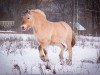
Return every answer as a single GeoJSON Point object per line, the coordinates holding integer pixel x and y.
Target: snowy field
{"type": "Point", "coordinates": [19, 55]}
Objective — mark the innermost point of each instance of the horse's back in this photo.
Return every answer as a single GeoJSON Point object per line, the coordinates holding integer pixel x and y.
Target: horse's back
{"type": "Point", "coordinates": [60, 31]}
{"type": "Point", "coordinates": [62, 28]}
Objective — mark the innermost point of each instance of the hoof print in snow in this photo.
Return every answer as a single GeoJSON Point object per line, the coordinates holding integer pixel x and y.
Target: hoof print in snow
{"type": "Point", "coordinates": [16, 66]}
{"type": "Point", "coordinates": [98, 56]}
{"type": "Point", "coordinates": [47, 65]}
{"type": "Point", "coordinates": [87, 61]}
{"type": "Point", "coordinates": [54, 72]}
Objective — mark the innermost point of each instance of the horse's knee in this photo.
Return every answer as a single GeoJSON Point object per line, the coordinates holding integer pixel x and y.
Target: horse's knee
{"type": "Point", "coordinates": [45, 52]}
{"type": "Point", "coordinates": [41, 52]}
{"type": "Point", "coordinates": [46, 55]}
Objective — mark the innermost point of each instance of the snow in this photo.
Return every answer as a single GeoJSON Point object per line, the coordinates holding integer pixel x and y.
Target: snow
{"type": "Point", "coordinates": [19, 56]}
{"type": "Point", "coordinates": [79, 26]}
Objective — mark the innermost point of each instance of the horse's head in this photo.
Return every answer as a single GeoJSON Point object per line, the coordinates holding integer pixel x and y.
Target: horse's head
{"type": "Point", "coordinates": [27, 20]}
{"type": "Point", "coordinates": [32, 18]}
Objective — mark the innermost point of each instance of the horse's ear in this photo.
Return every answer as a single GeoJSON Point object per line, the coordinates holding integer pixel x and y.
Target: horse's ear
{"type": "Point", "coordinates": [28, 11]}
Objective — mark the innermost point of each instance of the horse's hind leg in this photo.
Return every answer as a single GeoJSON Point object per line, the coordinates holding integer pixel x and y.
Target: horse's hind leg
{"type": "Point", "coordinates": [61, 53]}
{"type": "Point", "coordinates": [70, 52]}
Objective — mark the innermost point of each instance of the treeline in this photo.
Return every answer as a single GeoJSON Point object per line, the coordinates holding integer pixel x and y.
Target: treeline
{"type": "Point", "coordinates": [85, 12]}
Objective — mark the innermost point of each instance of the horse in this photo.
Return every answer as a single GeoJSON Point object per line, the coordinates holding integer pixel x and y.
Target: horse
{"type": "Point", "coordinates": [49, 33]}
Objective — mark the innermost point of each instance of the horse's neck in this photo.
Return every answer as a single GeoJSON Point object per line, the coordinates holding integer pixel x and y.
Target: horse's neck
{"type": "Point", "coordinates": [41, 23]}
{"type": "Point", "coordinates": [40, 26]}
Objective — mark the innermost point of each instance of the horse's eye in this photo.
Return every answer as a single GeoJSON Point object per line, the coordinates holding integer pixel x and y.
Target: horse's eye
{"type": "Point", "coordinates": [28, 18]}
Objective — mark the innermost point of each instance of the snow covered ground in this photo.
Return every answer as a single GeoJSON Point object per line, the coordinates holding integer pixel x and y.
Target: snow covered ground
{"type": "Point", "coordinates": [19, 55]}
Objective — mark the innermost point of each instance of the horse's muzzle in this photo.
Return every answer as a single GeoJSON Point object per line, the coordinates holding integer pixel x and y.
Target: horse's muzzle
{"type": "Point", "coordinates": [23, 28]}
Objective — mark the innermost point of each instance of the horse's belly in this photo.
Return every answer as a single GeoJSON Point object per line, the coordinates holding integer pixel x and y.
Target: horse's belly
{"type": "Point", "coordinates": [57, 39]}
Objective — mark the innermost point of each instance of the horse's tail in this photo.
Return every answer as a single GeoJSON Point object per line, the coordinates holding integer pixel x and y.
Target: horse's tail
{"type": "Point", "coordinates": [73, 39]}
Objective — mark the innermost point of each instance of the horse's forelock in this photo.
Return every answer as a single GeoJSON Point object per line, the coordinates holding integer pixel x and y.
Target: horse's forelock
{"type": "Point", "coordinates": [26, 12]}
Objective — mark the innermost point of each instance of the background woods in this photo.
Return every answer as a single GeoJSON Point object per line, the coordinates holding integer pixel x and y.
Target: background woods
{"type": "Point", "coordinates": [84, 13]}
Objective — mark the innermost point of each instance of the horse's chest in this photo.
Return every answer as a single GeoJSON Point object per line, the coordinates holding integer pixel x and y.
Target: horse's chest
{"type": "Point", "coordinates": [42, 37]}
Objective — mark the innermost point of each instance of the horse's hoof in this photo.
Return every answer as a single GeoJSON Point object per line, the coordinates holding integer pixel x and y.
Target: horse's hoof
{"type": "Point", "coordinates": [69, 62]}
{"type": "Point", "coordinates": [62, 62]}
{"type": "Point", "coordinates": [43, 58]}
{"type": "Point", "coordinates": [48, 65]}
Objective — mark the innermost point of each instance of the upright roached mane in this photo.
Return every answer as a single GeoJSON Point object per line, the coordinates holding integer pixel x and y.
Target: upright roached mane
{"type": "Point", "coordinates": [39, 11]}
{"type": "Point", "coordinates": [49, 33]}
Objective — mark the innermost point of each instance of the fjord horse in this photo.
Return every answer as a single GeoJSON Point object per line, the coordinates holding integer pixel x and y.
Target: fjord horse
{"type": "Point", "coordinates": [49, 33]}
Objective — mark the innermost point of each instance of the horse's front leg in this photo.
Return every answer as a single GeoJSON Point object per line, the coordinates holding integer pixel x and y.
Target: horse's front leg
{"type": "Point", "coordinates": [61, 53]}
{"type": "Point", "coordinates": [43, 53]}
{"type": "Point", "coordinates": [46, 55]}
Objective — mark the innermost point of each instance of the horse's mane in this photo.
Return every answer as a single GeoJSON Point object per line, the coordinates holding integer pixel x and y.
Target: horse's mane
{"type": "Point", "coordinates": [39, 11]}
